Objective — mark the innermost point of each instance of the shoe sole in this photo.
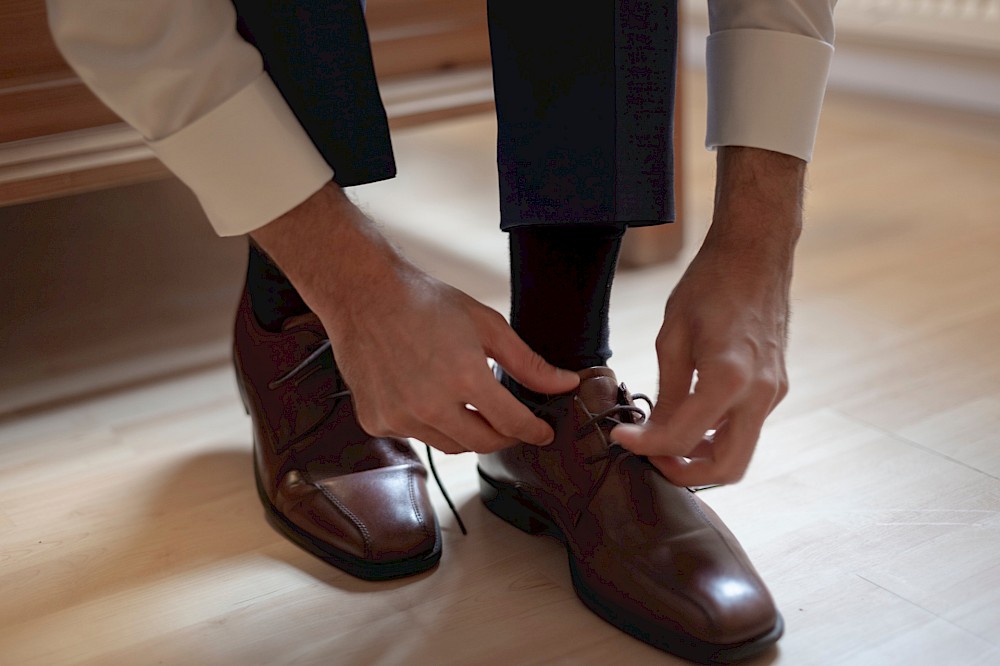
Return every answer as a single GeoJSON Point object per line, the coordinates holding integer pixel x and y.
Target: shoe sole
{"type": "Point", "coordinates": [356, 566]}
{"type": "Point", "coordinates": [512, 505]}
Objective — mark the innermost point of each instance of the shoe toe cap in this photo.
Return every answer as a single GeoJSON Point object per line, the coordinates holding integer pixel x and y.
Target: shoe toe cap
{"type": "Point", "coordinates": [379, 515]}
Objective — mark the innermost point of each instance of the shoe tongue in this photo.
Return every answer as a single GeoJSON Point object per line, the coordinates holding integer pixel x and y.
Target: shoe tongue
{"type": "Point", "coordinates": [598, 388]}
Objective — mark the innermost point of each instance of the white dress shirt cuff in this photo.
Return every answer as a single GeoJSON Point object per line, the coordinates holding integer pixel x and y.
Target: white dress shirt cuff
{"type": "Point", "coordinates": [248, 160]}
{"type": "Point", "coordinates": [765, 90]}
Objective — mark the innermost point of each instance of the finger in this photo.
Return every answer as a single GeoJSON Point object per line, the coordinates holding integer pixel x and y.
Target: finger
{"type": "Point", "coordinates": [703, 449]}
{"type": "Point", "coordinates": [682, 431]}
{"type": "Point", "coordinates": [676, 373]}
{"type": "Point", "coordinates": [781, 393]}
{"type": "Point", "coordinates": [524, 365]}
{"type": "Point", "coordinates": [674, 388]}
{"type": "Point", "coordinates": [508, 416]}
{"type": "Point", "coordinates": [731, 452]}
{"type": "Point", "coordinates": [439, 441]}
{"type": "Point", "coordinates": [473, 432]}
{"type": "Point", "coordinates": [699, 412]}
{"type": "Point", "coordinates": [650, 439]}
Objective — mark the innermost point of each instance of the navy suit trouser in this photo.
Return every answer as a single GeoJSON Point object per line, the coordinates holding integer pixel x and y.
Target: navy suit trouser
{"type": "Point", "coordinates": [584, 97]}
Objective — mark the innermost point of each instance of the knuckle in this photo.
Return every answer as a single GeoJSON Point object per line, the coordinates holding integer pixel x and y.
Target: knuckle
{"type": "Point", "coordinates": [467, 384]}
{"type": "Point", "coordinates": [495, 318]}
{"type": "Point", "coordinates": [771, 387]}
{"type": "Point", "coordinates": [667, 345]}
{"type": "Point", "coordinates": [782, 389]}
{"type": "Point", "coordinates": [766, 384]}
{"type": "Point", "coordinates": [732, 373]}
{"type": "Point", "coordinates": [414, 407]}
{"type": "Point", "coordinates": [492, 323]}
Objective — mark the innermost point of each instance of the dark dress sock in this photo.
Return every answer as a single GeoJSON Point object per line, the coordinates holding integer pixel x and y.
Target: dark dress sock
{"type": "Point", "coordinates": [560, 290]}
{"type": "Point", "coordinates": [272, 296]}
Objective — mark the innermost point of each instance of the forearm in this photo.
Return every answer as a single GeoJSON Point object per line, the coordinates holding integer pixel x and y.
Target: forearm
{"type": "Point", "coordinates": [331, 251]}
{"type": "Point", "coordinates": [758, 200]}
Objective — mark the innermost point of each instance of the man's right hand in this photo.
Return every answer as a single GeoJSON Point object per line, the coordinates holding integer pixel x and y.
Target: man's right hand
{"type": "Point", "coordinates": [413, 349]}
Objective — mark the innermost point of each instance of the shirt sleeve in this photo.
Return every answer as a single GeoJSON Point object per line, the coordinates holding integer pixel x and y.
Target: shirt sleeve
{"type": "Point", "coordinates": [180, 74]}
{"type": "Point", "coordinates": [767, 66]}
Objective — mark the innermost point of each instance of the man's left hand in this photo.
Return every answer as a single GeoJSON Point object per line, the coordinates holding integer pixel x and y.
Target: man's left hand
{"type": "Point", "coordinates": [725, 324]}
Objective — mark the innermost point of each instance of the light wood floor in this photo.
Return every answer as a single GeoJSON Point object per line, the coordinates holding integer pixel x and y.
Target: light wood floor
{"type": "Point", "coordinates": [130, 532]}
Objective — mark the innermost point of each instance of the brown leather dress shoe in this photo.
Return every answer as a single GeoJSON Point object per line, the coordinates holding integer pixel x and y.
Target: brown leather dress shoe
{"type": "Point", "coordinates": [650, 558]}
{"type": "Point", "coordinates": [356, 501]}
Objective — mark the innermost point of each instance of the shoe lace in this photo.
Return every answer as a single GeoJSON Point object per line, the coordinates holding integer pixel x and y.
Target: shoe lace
{"type": "Point", "coordinates": [608, 418]}
{"type": "Point", "coordinates": [444, 493]}
{"type": "Point", "coordinates": [308, 366]}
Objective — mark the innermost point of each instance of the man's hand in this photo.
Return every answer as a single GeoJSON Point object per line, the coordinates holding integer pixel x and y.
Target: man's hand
{"type": "Point", "coordinates": [413, 349]}
{"type": "Point", "coordinates": [727, 321]}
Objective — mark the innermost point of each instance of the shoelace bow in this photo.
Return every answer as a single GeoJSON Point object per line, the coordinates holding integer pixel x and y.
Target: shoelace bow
{"type": "Point", "coordinates": [308, 366]}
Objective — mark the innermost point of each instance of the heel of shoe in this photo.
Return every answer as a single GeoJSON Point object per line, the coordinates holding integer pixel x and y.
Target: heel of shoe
{"type": "Point", "coordinates": [508, 503]}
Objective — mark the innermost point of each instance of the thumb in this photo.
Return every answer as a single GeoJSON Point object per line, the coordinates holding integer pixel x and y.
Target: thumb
{"type": "Point", "coordinates": [645, 440]}
{"type": "Point", "coordinates": [653, 437]}
{"type": "Point", "coordinates": [527, 367]}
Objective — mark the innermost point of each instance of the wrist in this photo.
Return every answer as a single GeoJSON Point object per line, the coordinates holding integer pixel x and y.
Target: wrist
{"type": "Point", "coordinates": [758, 201]}
{"type": "Point", "coordinates": [331, 252]}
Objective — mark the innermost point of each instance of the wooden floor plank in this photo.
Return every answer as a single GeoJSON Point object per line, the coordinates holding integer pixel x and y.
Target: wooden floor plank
{"type": "Point", "coordinates": [131, 531]}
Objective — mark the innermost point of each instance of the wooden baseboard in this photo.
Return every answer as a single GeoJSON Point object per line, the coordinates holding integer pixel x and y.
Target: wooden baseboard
{"type": "Point", "coordinates": [112, 155]}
